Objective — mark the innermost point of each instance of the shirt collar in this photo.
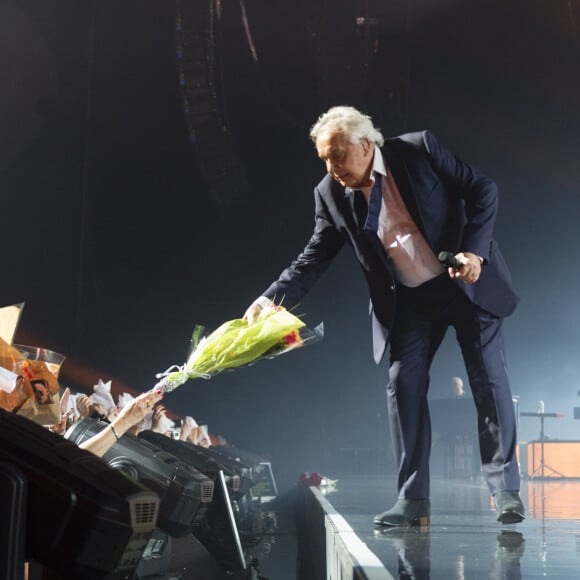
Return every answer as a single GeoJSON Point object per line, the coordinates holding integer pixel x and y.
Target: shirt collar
{"type": "Point", "coordinates": [379, 163]}
{"type": "Point", "coordinates": [378, 167]}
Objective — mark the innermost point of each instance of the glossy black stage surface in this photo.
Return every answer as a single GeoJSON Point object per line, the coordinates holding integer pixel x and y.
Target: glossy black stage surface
{"type": "Point", "coordinates": [465, 541]}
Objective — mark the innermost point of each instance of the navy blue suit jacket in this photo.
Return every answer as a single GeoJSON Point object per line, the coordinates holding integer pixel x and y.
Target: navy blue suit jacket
{"type": "Point", "coordinates": [452, 203]}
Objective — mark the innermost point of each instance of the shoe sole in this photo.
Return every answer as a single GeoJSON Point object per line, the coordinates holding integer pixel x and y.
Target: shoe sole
{"type": "Point", "coordinates": [419, 522]}
{"type": "Point", "coordinates": [510, 518]}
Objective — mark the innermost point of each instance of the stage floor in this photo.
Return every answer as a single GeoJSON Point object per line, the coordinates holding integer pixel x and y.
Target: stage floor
{"type": "Point", "coordinates": [464, 540]}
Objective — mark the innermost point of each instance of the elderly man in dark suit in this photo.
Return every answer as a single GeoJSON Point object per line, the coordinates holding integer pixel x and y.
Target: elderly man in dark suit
{"type": "Point", "coordinates": [398, 203]}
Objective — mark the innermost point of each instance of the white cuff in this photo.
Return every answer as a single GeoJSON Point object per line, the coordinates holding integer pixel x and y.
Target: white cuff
{"type": "Point", "coordinates": [263, 301]}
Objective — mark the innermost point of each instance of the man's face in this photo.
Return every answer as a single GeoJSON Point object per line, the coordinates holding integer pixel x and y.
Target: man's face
{"type": "Point", "coordinates": [349, 163]}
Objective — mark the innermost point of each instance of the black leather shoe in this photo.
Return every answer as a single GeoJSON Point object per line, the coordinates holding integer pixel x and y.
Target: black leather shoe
{"type": "Point", "coordinates": [509, 507]}
{"type": "Point", "coordinates": [406, 512]}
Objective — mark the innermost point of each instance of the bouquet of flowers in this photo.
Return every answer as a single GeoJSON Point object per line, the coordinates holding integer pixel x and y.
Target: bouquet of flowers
{"type": "Point", "coordinates": [236, 343]}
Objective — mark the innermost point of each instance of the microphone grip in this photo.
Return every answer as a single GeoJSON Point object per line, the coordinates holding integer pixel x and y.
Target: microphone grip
{"type": "Point", "coordinates": [448, 260]}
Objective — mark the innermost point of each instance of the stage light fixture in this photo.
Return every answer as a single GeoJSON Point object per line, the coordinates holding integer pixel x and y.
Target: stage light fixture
{"type": "Point", "coordinates": [182, 489]}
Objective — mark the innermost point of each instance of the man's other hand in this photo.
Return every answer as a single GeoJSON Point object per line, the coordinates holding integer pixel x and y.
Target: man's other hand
{"type": "Point", "coordinates": [470, 269]}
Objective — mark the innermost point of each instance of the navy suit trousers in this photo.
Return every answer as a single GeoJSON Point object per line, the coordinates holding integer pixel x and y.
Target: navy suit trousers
{"type": "Point", "coordinates": [422, 317]}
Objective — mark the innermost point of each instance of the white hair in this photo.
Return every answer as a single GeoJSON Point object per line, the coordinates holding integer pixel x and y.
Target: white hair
{"type": "Point", "coordinates": [349, 121]}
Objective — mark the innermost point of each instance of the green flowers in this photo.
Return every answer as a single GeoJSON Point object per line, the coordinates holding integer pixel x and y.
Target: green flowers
{"type": "Point", "coordinates": [236, 343]}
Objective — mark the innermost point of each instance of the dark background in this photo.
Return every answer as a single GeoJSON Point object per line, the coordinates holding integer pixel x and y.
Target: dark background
{"type": "Point", "coordinates": [119, 236]}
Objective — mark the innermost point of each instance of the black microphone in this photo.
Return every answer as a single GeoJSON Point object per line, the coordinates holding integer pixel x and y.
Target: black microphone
{"type": "Point", "coordinates": [449, 260]}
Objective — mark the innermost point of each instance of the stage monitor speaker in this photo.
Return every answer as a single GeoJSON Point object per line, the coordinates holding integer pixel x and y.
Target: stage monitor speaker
{"type": "Point", "coordinates": [83, 519]}
{"type": "Point", "coordinates": [182, 489]}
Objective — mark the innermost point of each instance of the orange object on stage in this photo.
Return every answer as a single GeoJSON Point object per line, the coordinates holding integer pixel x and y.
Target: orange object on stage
{"type": "Point", "coordinates": [561, 459]}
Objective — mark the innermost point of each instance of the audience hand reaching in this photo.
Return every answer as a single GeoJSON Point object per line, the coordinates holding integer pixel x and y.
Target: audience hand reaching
{"type": "Point", "coordinates": [130, 415]}
{"type": "Point", "coordinates": [158, 420]}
